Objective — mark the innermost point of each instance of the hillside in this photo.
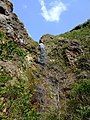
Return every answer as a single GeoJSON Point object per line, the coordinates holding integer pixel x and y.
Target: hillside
{"type": "Point", "coordinates": [69, 65]}
{"type": "Point", "coordinates": [28, 91]}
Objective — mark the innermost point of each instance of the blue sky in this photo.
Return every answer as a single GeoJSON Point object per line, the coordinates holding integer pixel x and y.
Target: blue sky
{"type": "Point", "coordinates": [51, 16]}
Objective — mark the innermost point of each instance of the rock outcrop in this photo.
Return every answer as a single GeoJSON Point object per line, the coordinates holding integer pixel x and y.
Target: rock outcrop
{"type": "Point", "coordinates": [11, 25]}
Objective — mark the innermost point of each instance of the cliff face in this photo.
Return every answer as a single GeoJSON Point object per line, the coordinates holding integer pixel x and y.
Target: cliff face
{"type": "Point", "coordinates": [69, 71]}
{"type": "Point", "coordinates": [11, 25]}
{"type": "Point", "coordinates": [29, 91]}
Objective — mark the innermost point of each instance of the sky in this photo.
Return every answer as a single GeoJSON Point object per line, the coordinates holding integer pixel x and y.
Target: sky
{"type": "Point", "coordinates": [51, 16]}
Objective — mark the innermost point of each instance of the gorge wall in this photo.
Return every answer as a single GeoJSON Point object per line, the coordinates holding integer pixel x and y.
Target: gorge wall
{"type": "Point", "coordinates": [28, 91]}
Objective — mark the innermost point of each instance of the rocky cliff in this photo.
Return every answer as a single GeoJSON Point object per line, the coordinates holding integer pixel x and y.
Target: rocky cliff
{"type": "Point", "coordinates": [28, 91]}
{"type": "Point", "coordinates": [11, 25]}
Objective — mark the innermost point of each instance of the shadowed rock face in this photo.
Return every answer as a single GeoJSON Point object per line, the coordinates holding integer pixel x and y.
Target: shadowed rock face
{"type": "Point", "coordinates": [7, 5]}
{"type": "Point", "coordinates": [2, 10]}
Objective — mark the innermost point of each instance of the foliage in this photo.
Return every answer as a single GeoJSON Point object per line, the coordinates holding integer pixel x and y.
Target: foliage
{"type": "Point", "coordinates": [1, 35]}
{"type": "Point", "coordinates": [79, 104]}
{"type": "Point", "coordinates": [9, 49]}
{"type": "Point", "coordinates": [17, 102]}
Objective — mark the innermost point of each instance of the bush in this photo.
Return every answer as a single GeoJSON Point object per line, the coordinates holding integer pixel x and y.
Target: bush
{"type": "Point", "coordinates": [79, 104]}
{"type": "Point", "coordinates": [9, 49]}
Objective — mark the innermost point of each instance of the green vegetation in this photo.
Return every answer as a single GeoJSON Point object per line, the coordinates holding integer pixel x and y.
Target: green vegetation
{"type": "Point", "coordinates": [79, 104]}
{"type": "Point", "coordinates": [16, 95]}
{"type": "Point", "coordinates": [63, 82]}
{"type": "Point", "coordinates": [9, 49]}
{"type": "Point", "coordinates": [1, 35]}
{"type": "Point", "coordinates": [82, 35]}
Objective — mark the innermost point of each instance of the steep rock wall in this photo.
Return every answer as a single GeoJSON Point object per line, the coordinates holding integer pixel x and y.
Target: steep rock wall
{"type": "Point", "coordinates": [11, 25]}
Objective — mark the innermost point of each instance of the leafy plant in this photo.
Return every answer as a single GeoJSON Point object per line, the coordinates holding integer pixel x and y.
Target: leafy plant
{"type": "Point", "coordinates": [79, 104]}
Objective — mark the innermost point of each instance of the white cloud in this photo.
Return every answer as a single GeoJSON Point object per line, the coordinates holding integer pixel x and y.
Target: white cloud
{"type": "Point", "coordinates": [55, 11]}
